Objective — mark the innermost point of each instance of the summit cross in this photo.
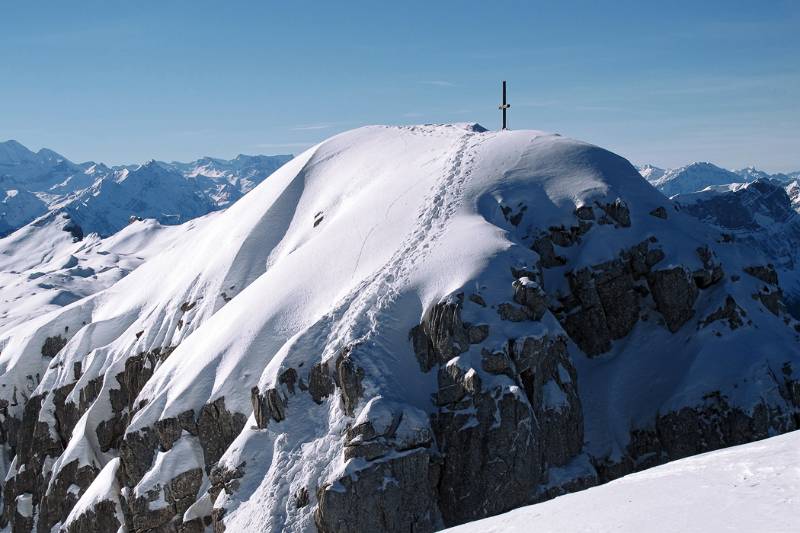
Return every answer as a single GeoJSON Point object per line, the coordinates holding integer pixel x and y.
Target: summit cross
{"type": "Point", "coordinates": [504, 105]}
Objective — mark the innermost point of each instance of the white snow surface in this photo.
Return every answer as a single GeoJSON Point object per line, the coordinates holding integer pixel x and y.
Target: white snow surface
{"type": "Point", "coordinates": [43, 267]}
{"type": "Point", "coordinates": [753, 487]}
{"type": "Point", "coordinates": [346, 246]}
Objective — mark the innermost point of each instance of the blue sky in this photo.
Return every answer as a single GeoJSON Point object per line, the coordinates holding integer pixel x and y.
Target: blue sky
{"type": "Point", "coordinates": [662, 82]}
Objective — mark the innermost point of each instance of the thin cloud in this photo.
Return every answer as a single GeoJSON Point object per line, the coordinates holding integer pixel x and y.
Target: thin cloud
{"type": "Point", "coordinates": [313, 127]}
{"type": "Point", "coordinates": [274, 146]}
{"type": "Point", "coordinates": [438, 83]}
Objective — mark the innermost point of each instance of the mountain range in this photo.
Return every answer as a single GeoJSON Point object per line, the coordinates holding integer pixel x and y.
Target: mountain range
{"type": "Point", "coordinates": [102, 199]}
{"type": "Point", "coordinates": [402, 329]}
{"type": "Point", "coordinates": [697, 176]}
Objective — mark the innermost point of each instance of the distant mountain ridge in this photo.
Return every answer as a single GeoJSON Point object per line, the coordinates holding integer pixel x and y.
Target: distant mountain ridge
{"type": "Point", "coordinates": [103, 199]}
{"type": "Point", "coordinates": [699, 175]}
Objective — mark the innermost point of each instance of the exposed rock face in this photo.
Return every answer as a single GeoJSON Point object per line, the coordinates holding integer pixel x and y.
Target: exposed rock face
{"type": "Point", "coordinates": [59, 499]}
{"type": "Point", "coordinates": [770, 295]}
{"type": "Point", "coordinates": [550, 383]}
{"type": "Point", "coordinates": [674, 293]}
{"type": "Point", "coordinates": [603, 304]}
{"type": "Point", "coordinates": [396, 443]}
{"type": "Point", "coordinates": [495, 442]}
{"type": "Point", "coordinates": [488, 467]}
{"type": "Point", "coordinates": [29, 482]}
{"type": "Point", "coordinates": [547, 253]}
{"type": "Point", "coordinates": [138, 370]}
{"type": "Point", "coordinates": [711, 273]}
{"type": "Point", "coordinates": [100, 518]}
{"type": "Point", "coordinates": [730, 312]}
{"type": "Point", "coordinates": [152, 513]}
{"type": "Point", "coordinates": [320, 383]}
{"type": "Point", "coordinates": [267, 406]}
{"type": "Point", "coordinates": [396, 494]}
{"type": "Point", "coordinates": [618, 211]}
{"type": "Point", "coordinates": [441, 336]}
{"type": "Point", "coordinates": [691, 430]}
{"type": "Point", "coordinates": [53, 345]}
{"type": "Point", "coordinates": [349, 377]}
{"type": "Point", "coordinates": [659, 212]}
{"type": "Point", "coordinates": [215, 428]}
{"type": "Point", "coordinates": [764, 273]}
{"type": "Point", "coordinates": [530, 295]}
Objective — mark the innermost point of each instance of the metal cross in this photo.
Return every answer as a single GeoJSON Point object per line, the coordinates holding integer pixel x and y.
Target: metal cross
{"type": "Point", "coordinates": [504, 105]}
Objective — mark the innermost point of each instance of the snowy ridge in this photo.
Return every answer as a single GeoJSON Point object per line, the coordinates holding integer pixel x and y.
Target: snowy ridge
{"type": "Point", "coordinates": [326, 348]}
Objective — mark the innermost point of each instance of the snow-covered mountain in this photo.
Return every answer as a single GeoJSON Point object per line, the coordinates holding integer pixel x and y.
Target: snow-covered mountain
{"type": "Point", "coordinates": [698, 176]}
{"type": "Point", "coordinates": [39, 170]}
{"type": "Point", "coordinates": [17, 208]}
{"type": "Point", "coordinates": [225, 181]}
{"type": "Point", "coordinates": [103, 199]}
{"type": "Point", "coordinates": [752, 487]}
{"type": "Point", "coordinates": [402, 329]}
{"type": "Point", "coordinates": [793, 190]}
{"type": "Point", "coordinates": [650, 172]}
{"type": "Point", "coordinates": [694, 177]}
{"type": "Point", "coordinates": [150, 191]}
{"type": "Point", "coordinates": [751, 174]}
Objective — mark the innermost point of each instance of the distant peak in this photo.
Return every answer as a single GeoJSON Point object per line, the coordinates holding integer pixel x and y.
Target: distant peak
{"type": "Point", "coordinates": [12, 143]}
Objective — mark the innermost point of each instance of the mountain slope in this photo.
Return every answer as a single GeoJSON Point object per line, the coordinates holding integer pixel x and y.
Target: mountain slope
{"type": "Point", "coordinates": [50, 263]}
{"type": "Point", "coordinates": [17, 208]}
{"type": "Point", "coordinates": [753, 487]}
{"type": "Point", "coordinates": [403, 328]}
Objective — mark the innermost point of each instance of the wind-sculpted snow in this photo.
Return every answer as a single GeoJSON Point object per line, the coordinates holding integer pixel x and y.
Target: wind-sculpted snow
{"type": "Point", "coordinates": [49, 263]}
{"type": "Point", "coordinates": [398, 321]}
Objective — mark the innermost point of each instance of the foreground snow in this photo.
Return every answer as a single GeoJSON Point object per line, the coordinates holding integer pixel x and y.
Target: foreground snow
{"type": "Point", "coordinates": [753, 487]}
